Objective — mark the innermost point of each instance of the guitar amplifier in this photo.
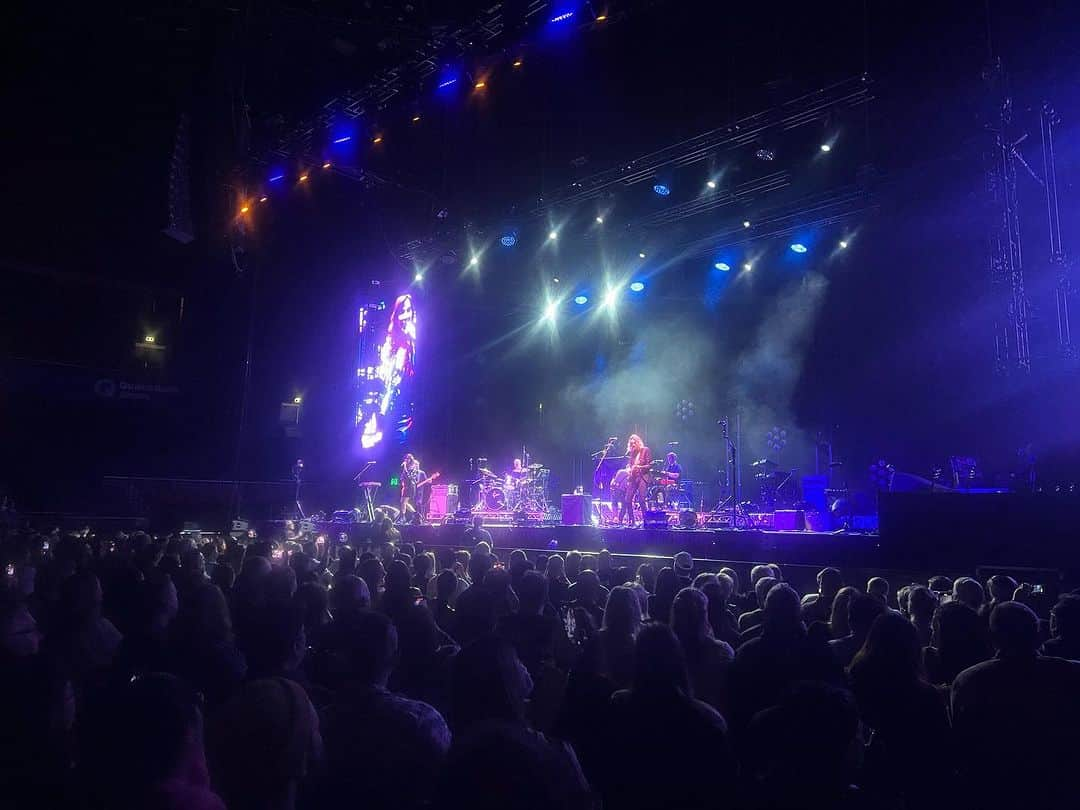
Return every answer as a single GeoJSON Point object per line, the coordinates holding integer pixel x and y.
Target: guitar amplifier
{"type": "Point", "coordinates": [577, 510]}
{"type": "Point", "coordinates": [444, 500]}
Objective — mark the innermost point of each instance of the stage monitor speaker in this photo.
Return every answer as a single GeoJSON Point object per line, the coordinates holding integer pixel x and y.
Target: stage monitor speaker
{"type": "Point", "coordinates": [656, 519]}
{"type": "Point", "coordinates": [577, 510]}
{"type": "Point", "coordinates": [789, 520]}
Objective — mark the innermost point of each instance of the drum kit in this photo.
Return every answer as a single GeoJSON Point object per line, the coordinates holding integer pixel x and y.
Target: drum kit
{"type": "Point", "coordinates": [527, 492]}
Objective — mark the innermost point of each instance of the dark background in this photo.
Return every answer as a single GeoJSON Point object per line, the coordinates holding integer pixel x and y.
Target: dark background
{"type": "Point", "coordinates": [886, 347]}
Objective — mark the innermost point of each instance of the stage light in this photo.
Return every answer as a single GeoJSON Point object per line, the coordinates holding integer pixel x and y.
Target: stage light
{"type": "Point", "coordinates": [798, 247]}
{"type": "Point", "coordinates": [558, 18]}
{"type": "Point", "coordinates": [553, 235]}
{"type": "Point", "coordinates": [149, 339]}
{"type": "Point", "coordinates": [599, 220]}
{"type": "Point", "coordinates": [555, 280]}
{"type": "Point", "coordinates": [244, 209]}
{"type": "Point", "coordinates": [826, 148]}
{"type": "Point", "coordinates": [746, 223]}
{"type": "Point", "coordinates": [447, 83]}
{"type": "Point", "coordinates": [377, 139]}
{"type": "Point", "coordinates": [722, 266]}
{"type": "Point", "coordinates": [611, 297]}
{"type": "Point", "coordinates": [419, 277]}
{"type": "Point", "coordinates": [711, 183]}
{"type": "Point", "coordinates": [765, 154]}
{"type": "Point", "coordinates": [661, 190]}
{"type": "Point", "coordinates": [843, 244]}
{"type": "Point", "coordinates": [748, 267]}
{"type": "Point", "coordinates": [508, 240]}
{"type": "Point", "coordinates": [581, 300]}
{"type": "Point", "coordinates": [551, 309]}
{"type": "Point", "coordinates": [277, 178]}
{"type": "Point", "coordinates": [303, 178]}
{"type": "Point", "coordinates": [601, 17]}
{"type": "Point", "coordinates": [637, 286]}
{"type": "Point", "coordinates": [297, 400]}
{"type": "Point", "coordinates": [343, 139]}
{"type": "Point", "coordinates": [416, 119]}
{"type": "Point", "coordinates": [263, 199]}
{"type": "Point", "coordinates": [474, 261]}
{"type": "Point", "coordinates": [641, 255]}
{"type": "Point", "coordinates": [326, 165]}
{"type": "Point", "coordinates": [518, 63]}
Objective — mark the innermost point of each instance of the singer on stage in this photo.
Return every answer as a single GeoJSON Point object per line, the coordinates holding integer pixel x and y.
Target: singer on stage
{"type": "Point", "coordinates": [639, 462]}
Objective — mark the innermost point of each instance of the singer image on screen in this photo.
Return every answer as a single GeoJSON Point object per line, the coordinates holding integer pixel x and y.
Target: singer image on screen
{"type": "Point", "coordinates": [396, 364]}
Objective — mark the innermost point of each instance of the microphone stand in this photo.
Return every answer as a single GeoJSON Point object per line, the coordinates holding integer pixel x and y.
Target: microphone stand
{"type": "Point", "coordinates": [298, 475]}
{"type": "Point", "coordinates": [600, 456]}
{"type": "Point", "coordinates": [733, 482]}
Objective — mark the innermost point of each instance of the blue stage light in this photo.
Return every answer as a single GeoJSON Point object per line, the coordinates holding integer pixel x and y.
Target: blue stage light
{"type": "Point", "coordinates": [581, 300]}
{"type": "Point", "coordinates": [276, 178]}
{"type": "Point", "coordinates": [508, 240]}
{"type": "Point", "coordinates": [722, 266]}
{"type": "Point", "coordinates": [449, 75]}
{"type": "Point", "coordinates": [661, 189]}
{"type": "Point", "coordinates": [637, 286]}
{"type": "Point", "coordinates": [558, 18]}
{"type": "Point", "coordinates": [343, 139]}
{"type": "Point", "coordinates": [798, 247]}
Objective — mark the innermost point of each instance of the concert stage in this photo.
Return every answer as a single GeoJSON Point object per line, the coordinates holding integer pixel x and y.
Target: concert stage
{"type": "Point", "coordinates": [806, 548]}
{"type": "Point", "coordinates": [941, 532]}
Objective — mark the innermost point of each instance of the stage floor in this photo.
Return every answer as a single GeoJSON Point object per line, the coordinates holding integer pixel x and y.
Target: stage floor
{"type": "Point", "coordinates": [802, 547]}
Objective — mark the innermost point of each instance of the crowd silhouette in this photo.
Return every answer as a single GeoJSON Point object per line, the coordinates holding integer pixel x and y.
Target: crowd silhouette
{"type": "Point", "coordinates": [196, 671]}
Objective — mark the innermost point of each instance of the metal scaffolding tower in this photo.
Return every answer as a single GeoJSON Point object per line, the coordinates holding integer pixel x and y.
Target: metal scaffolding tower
{"type": "Point", "coordinates": [1012, 348]}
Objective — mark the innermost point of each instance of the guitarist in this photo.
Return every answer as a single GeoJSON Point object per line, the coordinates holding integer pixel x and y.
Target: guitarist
{"type": "Point", "coordinates": [415, 490]}
{"type": "Point", "coordinates": [639, 462]}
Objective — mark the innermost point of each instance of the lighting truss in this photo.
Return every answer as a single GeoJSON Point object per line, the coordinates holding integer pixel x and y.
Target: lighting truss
{"type": "Point", "coordinates": [827, 208]}
{"type": "Point", "coordinates": [390, 84]}
{"type": "Point", "coordinates": [811, 212]}
{"type": "Point", "coordinates": [806, 109]}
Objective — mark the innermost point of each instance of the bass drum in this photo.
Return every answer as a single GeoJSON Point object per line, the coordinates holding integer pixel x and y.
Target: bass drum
{"type": "Point", "coordinates": [495, 499]}
{"type": "Point", "coordinates": [617, 487]}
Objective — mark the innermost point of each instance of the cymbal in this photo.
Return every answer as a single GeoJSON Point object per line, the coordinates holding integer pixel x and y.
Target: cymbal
{"type": "Point", "coordinates": [536, 466]}
{"type": "Point", "coordinates": [487, 472]}
{"type": "Point", "coordinates": [763, 462]}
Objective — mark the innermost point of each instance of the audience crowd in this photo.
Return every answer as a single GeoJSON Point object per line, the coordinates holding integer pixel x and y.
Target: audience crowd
{"type": "Point", "coordinates": [209, 672]}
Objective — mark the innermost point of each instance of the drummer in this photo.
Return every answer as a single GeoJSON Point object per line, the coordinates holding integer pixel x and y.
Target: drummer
{"type": "Point", "coordinates": [517, 474]}
{"type": "Point", "coordinates": [672, 469]}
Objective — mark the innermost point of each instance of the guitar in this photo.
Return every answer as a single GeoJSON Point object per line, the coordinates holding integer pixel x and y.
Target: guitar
{"type": "Point", "coordinates": [428, 480]}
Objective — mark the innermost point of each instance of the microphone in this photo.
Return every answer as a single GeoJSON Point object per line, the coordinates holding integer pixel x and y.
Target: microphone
{"type": "Point", "coordinates": [613, 438]}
